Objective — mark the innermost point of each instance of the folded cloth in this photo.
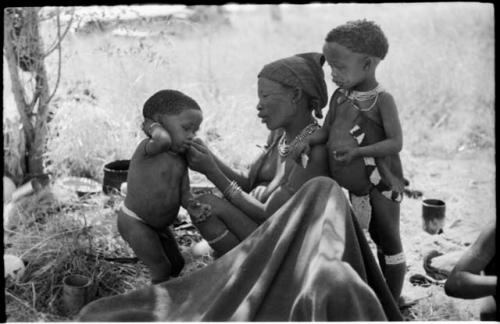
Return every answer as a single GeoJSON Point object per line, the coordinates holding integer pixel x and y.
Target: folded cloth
{"type": "Point", "coordinates": [309, 261]}
{"type": "Point", "coordinates": [303, 71]}
{"type": "Point", "coordinates": [362, 208]}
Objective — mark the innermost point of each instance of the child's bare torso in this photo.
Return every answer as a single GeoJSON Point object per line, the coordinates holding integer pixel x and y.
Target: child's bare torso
{"type": "Point", "coordinates": [351, 176]}
{"type": "Point", "coordinates": [154, 186]}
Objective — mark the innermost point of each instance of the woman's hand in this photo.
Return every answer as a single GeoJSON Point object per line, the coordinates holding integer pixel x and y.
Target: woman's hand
{"type": "Point", "coordinates": [200, 158]}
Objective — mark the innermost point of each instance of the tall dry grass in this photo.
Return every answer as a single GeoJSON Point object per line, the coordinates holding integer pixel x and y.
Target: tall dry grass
{"type": "Point", "coordinates": [439, 69]}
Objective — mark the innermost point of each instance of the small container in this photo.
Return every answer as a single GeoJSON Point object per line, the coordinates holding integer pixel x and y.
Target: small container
{"type": "Point", "coordinates": [115, 173]}
{"type": "Point", "coordinates": [77, 292]}
{"type": "Point", "coordinates": [433, 215]}
{"type": "Point", "coordinates": [23, 190]}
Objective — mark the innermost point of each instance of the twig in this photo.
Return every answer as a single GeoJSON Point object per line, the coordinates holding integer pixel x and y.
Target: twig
{"type": "Point", "coordinates": [60, 37]}
{"type": "Point", "coordinates": [48, 239]}
{"type": "Point", "coordinates": [22, 302]}
{"type": "Point", "coordinates": [484, 137]}
{"type": "Point", "coordinates": [59, 59]}
{"type": "Point", "coordinates": [34, 294]}
{"type": "Point", "coordinates": [110, 288]}
{"type": "Point", "coordinates": [441, 120]}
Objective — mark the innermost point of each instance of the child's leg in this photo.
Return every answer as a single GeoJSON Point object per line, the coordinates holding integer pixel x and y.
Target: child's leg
{"type": "Point", "coordinates": [172, 251]}
{"type": "Point", "coordinates": [376, 239]}
{"type": "Point", "coordinates": [384, 229]}
{"type": "Point", "coordinates": [146, 244]}
{"type": "Point", "coordinates": [226, 227]}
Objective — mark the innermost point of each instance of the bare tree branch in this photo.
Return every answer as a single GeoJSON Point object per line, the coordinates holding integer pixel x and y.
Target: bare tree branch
{"type": "Point", "coordinates": [60, 38]}
{"type": "Point", "coordinates": [59, 63]}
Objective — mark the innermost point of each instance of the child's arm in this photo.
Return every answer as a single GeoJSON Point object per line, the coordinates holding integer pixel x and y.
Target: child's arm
{"type": "Point", "coordinates": [394, 135]}
{"type": "Point", "coordinates": [392, 127]}
{"type": "Point", "coordinates": [186, 196]}
{"type": "Point", "coordinates": [159, 138]}
{"type": "Point", "coordinates": [317, 138]}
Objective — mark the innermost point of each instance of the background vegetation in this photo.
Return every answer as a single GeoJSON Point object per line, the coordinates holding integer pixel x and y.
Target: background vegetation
{"type": "Point", "coordinates": [439, 70]}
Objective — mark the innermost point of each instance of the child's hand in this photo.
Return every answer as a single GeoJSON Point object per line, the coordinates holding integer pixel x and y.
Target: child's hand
{"type": "Point", "coordinates": [300, 153]}
{"type": "Point", "coordinates": [146, 124]}
{"type": "Point", "coordinates": [345, 155]}
{"type": "Point", "coordinates": [160, 134]}
{"type": "Point", "coordinates": [160, 139]}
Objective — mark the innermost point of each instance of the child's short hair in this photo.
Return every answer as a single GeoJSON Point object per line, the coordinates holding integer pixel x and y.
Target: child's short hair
{"type": "Point", "coordinates": [170, 102]}
{"type": "Point", "coordinates": [360, 36]}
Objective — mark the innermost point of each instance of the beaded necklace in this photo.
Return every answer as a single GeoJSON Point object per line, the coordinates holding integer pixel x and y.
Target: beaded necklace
{"type": "Point", "coordinates": [354, 95]}
{"type": "Point", "coordinates": [284, 149]}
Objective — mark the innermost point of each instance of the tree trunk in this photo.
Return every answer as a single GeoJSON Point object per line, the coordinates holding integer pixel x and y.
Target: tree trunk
{"type": "Point", "coordinates": [23, 49]}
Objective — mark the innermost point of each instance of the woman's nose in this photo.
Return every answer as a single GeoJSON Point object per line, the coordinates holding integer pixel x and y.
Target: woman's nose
{"type": "Point", "coordinates": [259, 107]}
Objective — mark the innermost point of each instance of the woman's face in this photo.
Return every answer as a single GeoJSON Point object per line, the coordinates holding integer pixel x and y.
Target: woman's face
{"type": "Point", "coordinates": [275, 106]}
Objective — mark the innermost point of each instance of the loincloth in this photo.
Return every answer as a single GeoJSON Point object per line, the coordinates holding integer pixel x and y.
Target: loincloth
{"type": "Point", "coordinates": [373, 173]}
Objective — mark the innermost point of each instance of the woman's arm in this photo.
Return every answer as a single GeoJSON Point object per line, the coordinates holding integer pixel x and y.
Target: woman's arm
{"type": "Point", "coordinates": [465, 280]}
{"type": "Point", "coordinates": [239, 176]}
{"type": "Point", "coordinates": [200, 159]}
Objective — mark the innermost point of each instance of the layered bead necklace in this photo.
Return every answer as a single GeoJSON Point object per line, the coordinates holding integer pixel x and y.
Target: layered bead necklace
{"type": "Point", "coordinates": [354, 95]}
{"type": "Point", "coordinates": [284, 148]}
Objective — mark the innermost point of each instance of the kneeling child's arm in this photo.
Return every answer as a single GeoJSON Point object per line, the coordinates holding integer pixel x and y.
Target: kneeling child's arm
{"type": "Point", "coordinates": [159, 139]}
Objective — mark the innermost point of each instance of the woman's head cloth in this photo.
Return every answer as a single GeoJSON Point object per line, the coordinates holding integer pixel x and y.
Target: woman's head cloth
{"type": "Point", "coordinates": [302, 71]}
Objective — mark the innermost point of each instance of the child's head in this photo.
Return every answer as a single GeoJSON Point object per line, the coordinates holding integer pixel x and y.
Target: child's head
{"type": "Point", "coordinates": [353, 51]}
{"type": "Point", "coordinates": [179, 114]}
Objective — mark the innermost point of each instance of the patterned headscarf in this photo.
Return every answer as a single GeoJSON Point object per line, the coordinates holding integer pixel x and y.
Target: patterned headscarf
{"type": "Point", "coordinates": [303, 71]}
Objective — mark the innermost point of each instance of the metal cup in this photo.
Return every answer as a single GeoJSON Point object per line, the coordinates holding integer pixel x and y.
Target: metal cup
{"type": "Point", "coordinates": [433, 215]}
{"type": "Point", "coordinates": [77, 291]}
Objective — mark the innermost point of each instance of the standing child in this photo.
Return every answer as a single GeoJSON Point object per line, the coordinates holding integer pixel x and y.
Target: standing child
{"type": "Point", "coordinates": [363, 136]}
{"type": "Point", "coordinates": [158, 182]}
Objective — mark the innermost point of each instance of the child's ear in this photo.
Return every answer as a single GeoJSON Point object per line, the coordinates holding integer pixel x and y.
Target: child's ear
{"type": "Point", "coordinates": [297, 94]}
{"type": "Point", "coordinates": [367, 63]}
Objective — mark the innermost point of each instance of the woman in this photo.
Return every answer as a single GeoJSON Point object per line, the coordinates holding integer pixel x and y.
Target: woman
{"type": "Point", "coordinates": [304, 257]}
{"type": "Point", "coordinates": [289, 90]}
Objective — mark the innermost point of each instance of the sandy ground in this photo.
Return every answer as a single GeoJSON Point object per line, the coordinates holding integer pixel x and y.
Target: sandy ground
{"type": "Point", "coordinates": [467, 185]}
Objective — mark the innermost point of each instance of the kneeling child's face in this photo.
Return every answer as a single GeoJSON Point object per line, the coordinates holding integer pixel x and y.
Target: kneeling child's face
{"type": "Point", "coordinates": [182, 128]}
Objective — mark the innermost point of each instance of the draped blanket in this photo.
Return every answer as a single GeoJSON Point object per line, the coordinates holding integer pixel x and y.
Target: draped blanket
{"type": "Point", "coordinates": [308, 262]}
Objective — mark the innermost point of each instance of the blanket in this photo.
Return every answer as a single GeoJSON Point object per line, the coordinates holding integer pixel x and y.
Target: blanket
{"type": "Point", "coordinates": [308, 262]}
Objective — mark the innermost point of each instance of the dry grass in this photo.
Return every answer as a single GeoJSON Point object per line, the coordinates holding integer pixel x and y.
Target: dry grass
{"type": "Point", "coordinates": [439, 69]}
{"type": "Point", "coordinates": [57, 234]}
